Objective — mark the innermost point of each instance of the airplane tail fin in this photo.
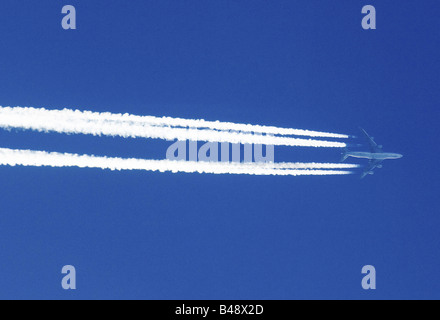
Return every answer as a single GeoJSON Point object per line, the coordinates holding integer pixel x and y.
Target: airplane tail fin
{"type": "Point", "coordinates": [344, 155]}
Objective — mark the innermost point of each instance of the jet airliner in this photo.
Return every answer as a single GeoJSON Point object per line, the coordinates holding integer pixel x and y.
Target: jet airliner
{"type": "Point", "coordinates": [376, 156]}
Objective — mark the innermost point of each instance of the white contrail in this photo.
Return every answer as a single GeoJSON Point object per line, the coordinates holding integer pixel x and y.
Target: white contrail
{"type": "Point", "coordinates": [13, 157]}
{"type": "Point", "coordinates": [306, 165]}
{"type": "Point", "coordinates": [85, 122]}
{"type": "Point", "coordinates": [193, 123]}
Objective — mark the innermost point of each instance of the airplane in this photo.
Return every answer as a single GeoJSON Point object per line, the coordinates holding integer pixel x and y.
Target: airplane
{"type": "Point", "coordinates": [376, 156]}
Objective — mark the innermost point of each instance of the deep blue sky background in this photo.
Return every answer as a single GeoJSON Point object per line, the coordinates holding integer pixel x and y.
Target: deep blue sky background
{"type": "Point", "coordinates": [301, 64]}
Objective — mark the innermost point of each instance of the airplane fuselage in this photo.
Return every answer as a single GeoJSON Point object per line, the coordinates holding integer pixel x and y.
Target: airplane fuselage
{"type": "Point", "coordinates": [374, 156]}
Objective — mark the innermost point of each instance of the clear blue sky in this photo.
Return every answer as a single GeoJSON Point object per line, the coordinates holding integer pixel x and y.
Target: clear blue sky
{"type": "Point", "coordinates": [301, 64]}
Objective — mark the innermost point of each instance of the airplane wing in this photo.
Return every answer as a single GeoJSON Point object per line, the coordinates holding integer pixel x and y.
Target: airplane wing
{"type": "Point", "coordinates": [373, 164]}
{"type": "Point", "coordinates": [373, 145]}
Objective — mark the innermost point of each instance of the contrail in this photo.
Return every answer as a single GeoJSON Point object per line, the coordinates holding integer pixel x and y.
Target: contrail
{"type": "Point", "coordinates": [11, 157]}
{"type": "Point", "coordinates": [197, 124]}
{"type": "Point", "coordinates": [203, 124]}
{"type": "Point", "coordinates": [305, 165]}
{"type": "Point", "coordinates": [86, 122]}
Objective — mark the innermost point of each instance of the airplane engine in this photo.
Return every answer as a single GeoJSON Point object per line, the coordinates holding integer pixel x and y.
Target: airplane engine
{"type": "Point", "coordinates": [379, 166]}
{"type": "Point", "coordinates": [371, 172]}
